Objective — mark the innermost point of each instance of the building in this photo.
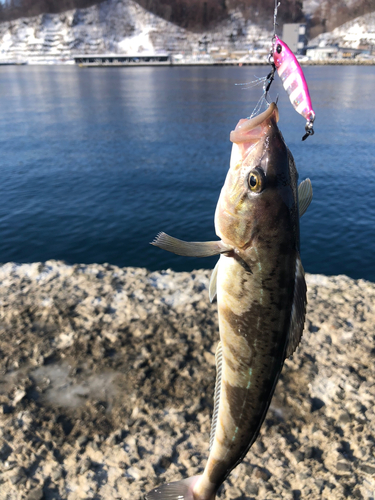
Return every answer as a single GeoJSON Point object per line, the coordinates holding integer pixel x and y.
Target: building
{"type": "Point", "coordinates": [334, 52]}
{"type": "Point", "coordinates": [322, 53]}
{"type": "Point", "coordinates": [123, 60]}
{"type": "Point", "coordinates": [349, 53]}
{"type": "Point", "coordinates": [294, 35]}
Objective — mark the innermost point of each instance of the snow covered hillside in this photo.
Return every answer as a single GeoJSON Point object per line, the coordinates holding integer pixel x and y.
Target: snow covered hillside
{"type": "Point", "coordinates": [115, 26]}
{"type": "Point", "coordinates": [359, 32]}
{"type": "Point", "coordinates": [123, 26]}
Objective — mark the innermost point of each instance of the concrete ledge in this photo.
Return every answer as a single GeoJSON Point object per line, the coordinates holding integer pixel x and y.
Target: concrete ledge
{"type": "Point", "coordinates": [107, 379]}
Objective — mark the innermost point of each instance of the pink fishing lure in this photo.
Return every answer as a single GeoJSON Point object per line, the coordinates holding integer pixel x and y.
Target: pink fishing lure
{"type": "Point", "coordinates": [294, 82]}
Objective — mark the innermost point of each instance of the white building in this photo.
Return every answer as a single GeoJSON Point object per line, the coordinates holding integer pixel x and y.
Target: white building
{"type": "Point", "coordinates": [322, 53]}
{"type": "Point", "coordinates": [294, 35]}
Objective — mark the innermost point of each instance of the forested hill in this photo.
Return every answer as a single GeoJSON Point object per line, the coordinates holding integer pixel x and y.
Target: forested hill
{"type": "Point", "coordinates": [191, 14]}
{"type": "Point", "coordinates": [198, 15]}
{"type": "Point", "coordinates": [14, 9]}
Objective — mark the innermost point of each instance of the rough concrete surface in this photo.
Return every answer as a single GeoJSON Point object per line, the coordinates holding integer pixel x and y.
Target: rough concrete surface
{"type": "Point", "coordinates": [107, 379]}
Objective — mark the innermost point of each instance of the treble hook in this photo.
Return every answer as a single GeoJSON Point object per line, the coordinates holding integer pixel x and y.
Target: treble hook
{"type": "Point", "coordinates": [309, 128]}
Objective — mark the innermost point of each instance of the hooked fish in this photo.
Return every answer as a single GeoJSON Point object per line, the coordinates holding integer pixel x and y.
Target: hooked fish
{"type": "Point", "coordinates": [292, 77]}
{"type": "Point", "coordinates": [261, 293]}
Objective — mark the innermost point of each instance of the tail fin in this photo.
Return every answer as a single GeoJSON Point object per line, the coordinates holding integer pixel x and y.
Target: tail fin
{"type": "Point", "coordinates": [178, 490]}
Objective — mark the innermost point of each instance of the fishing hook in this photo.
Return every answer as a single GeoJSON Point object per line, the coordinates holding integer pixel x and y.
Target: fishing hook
{"type": "Point", "coordinates": [271, 75]}
{"type": "Point", "coordinates": [269, 79]}
{"type": "Point", "coordinates": [309, 128]}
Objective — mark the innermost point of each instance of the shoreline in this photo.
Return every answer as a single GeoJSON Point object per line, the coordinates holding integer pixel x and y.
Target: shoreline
{"type": "Point", "coordinates": [53, 62]}
{"type": "Point", "coordinates": [107, 378]}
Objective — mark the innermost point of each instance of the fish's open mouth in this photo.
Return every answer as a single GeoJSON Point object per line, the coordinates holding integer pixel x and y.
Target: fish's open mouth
{"type": "Point", "coordinates": [249, 130]}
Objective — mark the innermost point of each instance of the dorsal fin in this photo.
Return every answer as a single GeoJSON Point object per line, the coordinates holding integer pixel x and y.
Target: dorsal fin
{"type": "Point", "coordinates": [215, 414]}
{"type": "Point", "coordinates": [298, 309]}
{"type": "Point", "coordinates": [305, 194]}
{"type": "Point", "coordinates": [213, 283]}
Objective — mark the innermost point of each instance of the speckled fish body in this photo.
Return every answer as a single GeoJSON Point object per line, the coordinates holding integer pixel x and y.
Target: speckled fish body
{"type": "Point", "coordinates": [261, 296]}
{"type": "Point", "coordinates": [293, 79]}
{"type": "Point", "coordinates": [255, 290]}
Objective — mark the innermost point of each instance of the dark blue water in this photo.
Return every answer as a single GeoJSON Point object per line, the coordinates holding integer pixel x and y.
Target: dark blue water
{"type": "Point", "coordinates": [94, 162]}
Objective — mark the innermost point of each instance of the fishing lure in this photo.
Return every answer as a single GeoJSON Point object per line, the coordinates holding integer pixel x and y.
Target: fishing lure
{"type": "Point", "coordinates": [291, 74]}
{"type": "Point", "coordinates": [285, 63]}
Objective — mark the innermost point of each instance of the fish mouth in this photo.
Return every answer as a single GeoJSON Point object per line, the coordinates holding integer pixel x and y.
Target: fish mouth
{"type": "Point", "coordinates": [252, 129]}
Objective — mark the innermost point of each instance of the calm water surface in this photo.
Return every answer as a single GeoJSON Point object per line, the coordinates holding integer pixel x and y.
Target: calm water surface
{"type": "Point", "coordinates": [94, 162]}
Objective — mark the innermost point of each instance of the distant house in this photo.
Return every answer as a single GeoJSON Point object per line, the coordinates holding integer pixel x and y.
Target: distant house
{"type": "Point", "coordinates": [332, 52]}
{"type": "Point", "coordinates": [345, 53]}
{"type": "Point", "coordinates": [162, 59]}
{"type": "Point", "coordinates": [322, 53]}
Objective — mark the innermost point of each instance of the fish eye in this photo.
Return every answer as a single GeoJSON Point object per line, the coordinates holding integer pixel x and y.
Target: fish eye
{"type": "Point", "coordinates": [256, 180]}
{"type": "Point", "coordinates": [279, 48]}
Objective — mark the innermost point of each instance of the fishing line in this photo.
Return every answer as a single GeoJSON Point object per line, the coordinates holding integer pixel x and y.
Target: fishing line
{"type": "Point", "coordinates": [277, 5]}
{"type": "Point", "coordinates": [265, 98]}
{"type": "Point", "coordinates": [266, 80]}
{"type": "Point", "coordinates": [249, 85]}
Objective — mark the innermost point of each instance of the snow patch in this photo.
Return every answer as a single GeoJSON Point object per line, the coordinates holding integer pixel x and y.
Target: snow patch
{"type": "Point", "coordinates": [354, 34]}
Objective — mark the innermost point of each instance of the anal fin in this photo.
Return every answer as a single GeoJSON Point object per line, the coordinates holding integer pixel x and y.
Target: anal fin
{"type": "Point", "coordinates": [219, 372]}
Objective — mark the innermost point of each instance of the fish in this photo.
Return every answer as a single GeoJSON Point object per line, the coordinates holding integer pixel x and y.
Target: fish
{"type": "Point", "coordinates": [261, 293]}
{"type": "Point", "coordinates": [294, 82]}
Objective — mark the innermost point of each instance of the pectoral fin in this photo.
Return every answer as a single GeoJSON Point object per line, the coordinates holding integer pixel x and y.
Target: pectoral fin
{"type": "Point", "coordinates": [213, 283]}
{"type": "Point", "coordinates": [305, 194]}
{"type": "Point", "coordinates": [298, 310]}
{"type": "Point", "coordinates": [190, 248]}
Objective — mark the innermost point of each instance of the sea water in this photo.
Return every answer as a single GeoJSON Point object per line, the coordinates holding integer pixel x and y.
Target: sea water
{"type": "Point", "coordinates": [96, 161]}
